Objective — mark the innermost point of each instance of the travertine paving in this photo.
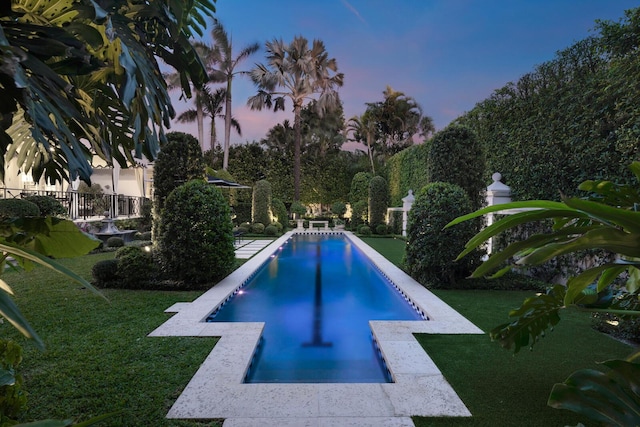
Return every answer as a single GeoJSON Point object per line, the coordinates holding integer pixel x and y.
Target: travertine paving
{"type": "Point", "coordinates": [217, 390]}
{"type": "Point", "coordinates": [248, 248]}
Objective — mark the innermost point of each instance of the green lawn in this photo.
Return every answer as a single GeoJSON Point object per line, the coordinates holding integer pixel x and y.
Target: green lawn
{"type": "Point", "coordinates": [99, 359]}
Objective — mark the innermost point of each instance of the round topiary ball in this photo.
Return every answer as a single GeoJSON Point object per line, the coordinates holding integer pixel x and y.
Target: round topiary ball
{"type": "Point", "coordinates": [271, 230]}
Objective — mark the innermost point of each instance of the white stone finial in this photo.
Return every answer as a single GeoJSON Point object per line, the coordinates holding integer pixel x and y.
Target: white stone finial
{"type": "Point", "coordinates": [496, 177]}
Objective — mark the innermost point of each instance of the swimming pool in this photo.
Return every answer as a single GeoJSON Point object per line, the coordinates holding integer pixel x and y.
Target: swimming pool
{"type": "Point", "coordinates": [316, 295]}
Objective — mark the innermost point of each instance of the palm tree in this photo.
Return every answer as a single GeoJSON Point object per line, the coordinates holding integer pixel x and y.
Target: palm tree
{"type": "Point", "coordinates": [211, 105]}
{"type": "Point", "coordinates": [399, 118]}
{"type": "Point", "coordinates": [174, 80]}
{"type": "Point", "coordinates": [222, 54]}
{"type": "Point", "coordinates": [364, 128]}
{"type": "Point", "coordinates": [297, 72]}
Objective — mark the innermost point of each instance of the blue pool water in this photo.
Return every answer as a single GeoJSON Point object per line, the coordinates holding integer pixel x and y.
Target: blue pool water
{"type": "Point", "coordinates": [316, 296]}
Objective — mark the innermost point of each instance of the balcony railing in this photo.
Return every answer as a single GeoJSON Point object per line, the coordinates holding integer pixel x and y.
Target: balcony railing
{"type": "Point", "coordinates": [86, 206]}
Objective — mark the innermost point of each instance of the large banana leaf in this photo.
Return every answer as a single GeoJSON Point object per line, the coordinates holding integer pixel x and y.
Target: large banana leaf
{"type": "Point", "coordinates": [611, 398]}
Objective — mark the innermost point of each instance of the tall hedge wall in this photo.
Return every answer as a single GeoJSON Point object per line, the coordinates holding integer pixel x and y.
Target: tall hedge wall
{"type": "Point", "coordinates": [573, 118]}
{"type": "Point", "coordinates": [406, 171]}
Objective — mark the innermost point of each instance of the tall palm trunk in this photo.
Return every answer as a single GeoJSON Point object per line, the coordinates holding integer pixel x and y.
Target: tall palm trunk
{"type": "Point", "coordinates": [227, 126]}
{"type": "Point", "coordinates": [297, 108]}
{"type": "Point", "coordinates": [373, 169]}
{"type": "Point", "coordinates": [200, 119]}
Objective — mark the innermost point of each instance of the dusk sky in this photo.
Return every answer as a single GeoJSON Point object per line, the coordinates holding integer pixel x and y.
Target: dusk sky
{"type": "Point", "coordinates": [447, 54]}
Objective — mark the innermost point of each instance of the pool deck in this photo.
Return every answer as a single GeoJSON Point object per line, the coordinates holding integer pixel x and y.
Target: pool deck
{"type": "Point", "coordinates": [217, 390]}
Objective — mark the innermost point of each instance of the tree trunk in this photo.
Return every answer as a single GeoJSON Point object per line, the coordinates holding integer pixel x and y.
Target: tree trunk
{"type": "Point", "coordinates": [227, 126]}
{"type": "Point", "coordinates": [200, 119]}
{"type": "Point", "coordinates": [297, 108]}
{"type": "Point", "coordinates": [373, 169]}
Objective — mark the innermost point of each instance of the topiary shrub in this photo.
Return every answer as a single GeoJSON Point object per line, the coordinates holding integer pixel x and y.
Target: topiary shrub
{"type": "Point", "coordinates": [299, 209]}
{"type": "Point", "coordinates": [278, 226]}
{"type": "Point", "coordinates": [17, 208]}
{"type": "Point", "coordinates": [382, 229]}
{"type": "Point", "coordinates": [105, 273]}
{"type": "Point", "coordinates": [378, 201]}
{"type": "Point", "coordinates": [431, 249]}
{"type": "Point", "coordinates": [195, 238]}
{"type": "Point", "coordinates": [179, 161]}
{"type": "Point", "coordinates": [261, 204]}
{"type": "Point", "coordinates": [456, 157]}
{"type": "Point", "coordinates": [359, 213]}
{"type": "Point", "coordinates": [365, 230]}
{"type": "Point", "coordinates": [136, 269]}
{"type": "Point", "coordinates": [13, 399]}
{"type": "Point", "coordinates": [359, 187]}
{"type": "Point", "coordinates": [48, 206]}
{"type": "Point", "coordinates": [115, 242]}
{"type": "Point", "coordinates": [279, 211]}
{"type": "Point", "coordinates": [257, 228]}
{"type": "Point", "coordinates": [271, 230]}
{"type": "Point", "coordinates": [339, 209]}
{"type": "Point", "coordinates": [245, 227]}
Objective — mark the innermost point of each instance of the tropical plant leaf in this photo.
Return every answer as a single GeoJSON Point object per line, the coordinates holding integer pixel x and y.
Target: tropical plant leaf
{"type": "Point", "coordinates": [607, 238]}
{"type": "Point", "coordinates": [531, 204]}
{"type": "Point", "coordinates": [7, 377]}
{"type": "Point", "coordinates": [508, 222]}
{"type": "Point", "coordinates": [10, 311]}
{"type": "Point", "coordinates": [534, 317]}
{"type": "Point", "coordinates": [628, 220]}
{"type": "Point", "coordinates": [611, 398]}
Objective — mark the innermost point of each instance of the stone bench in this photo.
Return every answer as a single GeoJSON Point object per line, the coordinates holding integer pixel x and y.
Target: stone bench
{"type": "Point", "coordinates": [325, 223]}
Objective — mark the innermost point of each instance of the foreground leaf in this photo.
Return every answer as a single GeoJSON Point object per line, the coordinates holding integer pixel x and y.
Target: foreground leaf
{"type": "Point", "coordinates": [534, 317]}
{"type": "Point", "coordinates": [612, 398]}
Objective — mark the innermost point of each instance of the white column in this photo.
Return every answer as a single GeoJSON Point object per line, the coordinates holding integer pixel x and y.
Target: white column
{"type": "Point", "coordinates": [407, 202]}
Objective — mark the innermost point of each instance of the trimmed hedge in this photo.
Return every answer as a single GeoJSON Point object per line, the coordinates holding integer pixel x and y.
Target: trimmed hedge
{"type": "Point", "coordinates": [456, 157]}
{"type": "Point", "coordinates": [18, 208]}
{"type": "Point", "coordinates": [378, 201]}
{"type": "Point", "coordinates": [431, 249]}
{"type": "Point", "coordinates": [48, 206]}
{"type": "Point", "coordinates": [261, 210]}
{"type": "Point", "coordinates": [195, 238]}
{"type": "Point", "coordinates": [406, 171]}
{"type": "Point", "coordinates": [280, 212]}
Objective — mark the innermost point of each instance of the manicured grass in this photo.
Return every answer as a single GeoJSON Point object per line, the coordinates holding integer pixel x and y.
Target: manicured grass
{"type": "Point", "coordinates": [502, 389]}
{"type": "Point", "coordinates": [391, 248]}
{"type": "Point", "coordinates": [99, 358]}
{"type": "Point", "coordinates": [498, 387]}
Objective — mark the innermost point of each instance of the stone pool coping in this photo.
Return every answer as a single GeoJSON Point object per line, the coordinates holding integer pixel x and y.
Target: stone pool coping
{"type": "Point", "coordinates": [217, 390]}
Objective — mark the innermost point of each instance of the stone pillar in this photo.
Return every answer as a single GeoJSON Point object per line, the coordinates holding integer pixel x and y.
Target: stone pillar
{"type": "Point", "coordinates": [407, 202]}
{"type": "Point", "coordinates": [497, 193]}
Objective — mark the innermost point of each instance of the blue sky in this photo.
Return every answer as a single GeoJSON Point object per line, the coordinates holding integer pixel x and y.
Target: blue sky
{"type": "Point", "coordinates": [447, 54]}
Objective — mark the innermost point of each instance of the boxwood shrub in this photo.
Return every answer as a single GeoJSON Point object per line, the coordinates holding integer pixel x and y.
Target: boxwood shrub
{"type": "Point", "coordinates": [271, 230]}
{"type": "Point", "coordinates": [378, 201]}
{"type": "Point", "coordinates": [431, 249]}
{"type": "Point", "coordinates": [105, 273]}
{"type": "Point", "coordinates": [48, 206]}
{"type": "Point", "coordinates": [18, 208]}
{"type": "Point", "coordinates": [195, 238]}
